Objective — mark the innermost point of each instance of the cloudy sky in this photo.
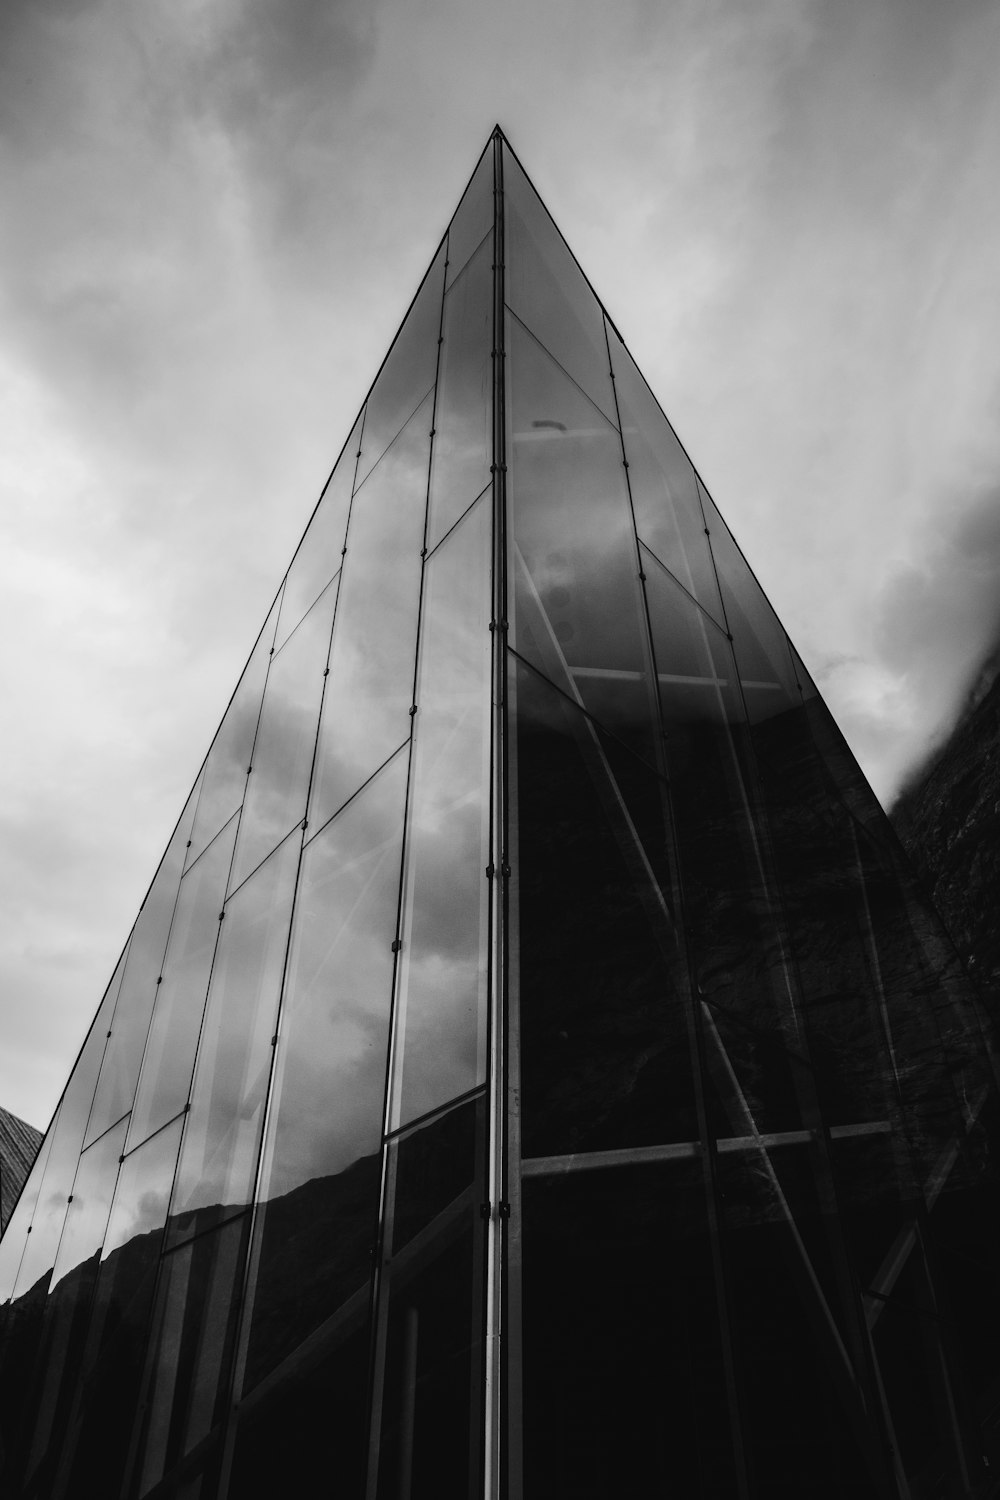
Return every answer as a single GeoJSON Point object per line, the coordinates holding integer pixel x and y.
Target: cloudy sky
{"type": "Point", "coordinates": [215, 214]}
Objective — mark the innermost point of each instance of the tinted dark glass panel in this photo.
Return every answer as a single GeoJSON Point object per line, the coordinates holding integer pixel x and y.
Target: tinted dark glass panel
{"type": "Point", "coordinates": [191, 1348]}
{"type": "Point", "coordinates": [549, 293]}
{"type": "Point", "coordinates": [168, 1060]}
{"type": "Point", "coordinates": [225, 772]}
{"type": "Point", "coordinates": [64, 1326]}
{"type": "Point", "coordinates": [408, 373]}
{"type": "Point", "coordinates": [319, 552]}
{"type": "Point", "coordinates": [664, 489]}
{"type": "Point", "coordinates": [370, 687]}
{"type": "Point", "coordinates": [98, 1428]}
{"type": "Point", "coordinates": [286, 738]}
{"type": "Point", "coordinates": [123, 1054]}
{"type": "Point", "coordinates": [15, 1236]}
{"type": "Point", "coordinates": [578, 605]}
{"type": "Point", "coordinates": [463, 417]}
{"type": "Point", "coordinates": [219, 1155]}
{"type": "Point", "coordinates": [629, 1399]}
{"type": "Point", "coordinates": [440, 1029]}
{"type": "Point", "coordinates": [427, 1439]}
{"type": "Point", "coordinates": [322, 1165]}
{"type": "Point", "coordinates": [604, 1009]}
{"type": "Point", "coordinates": [473, 217]}
{"type": "Point", "coordinates": [760, 644]}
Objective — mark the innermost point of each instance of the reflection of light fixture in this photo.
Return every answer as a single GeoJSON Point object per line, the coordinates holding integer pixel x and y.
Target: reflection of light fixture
{"type": "Point", "coordinates": [548, 422]}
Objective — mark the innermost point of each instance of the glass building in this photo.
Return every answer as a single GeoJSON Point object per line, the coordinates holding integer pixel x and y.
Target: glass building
{"type": "Point", "coordinates": [533, 1070]}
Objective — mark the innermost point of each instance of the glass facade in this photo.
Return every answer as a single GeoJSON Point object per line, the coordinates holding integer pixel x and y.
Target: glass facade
{"type": "Point", "coordinates": [534, 1070]}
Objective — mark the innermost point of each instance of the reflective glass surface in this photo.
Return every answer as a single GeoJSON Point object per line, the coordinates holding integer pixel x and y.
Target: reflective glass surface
{"type": "Point", "coordinates": [322, 1165]}
{"type": "Point", "coordinates": [549, 293]}
{"type": "Point", "coordinates": [286, 739]}
{"type": "Point", "coordinates": [624, 1368]}
{"type": "Point", "coordinates": [225, 772]}
{"type": "Point", "coordinates": [440, 1028]}
{"type": "Point", "coordinates": [219, 1154]}
{"type": "Point", "coordinates": [760, 644]}
{"type": "Point", "coordinates": [473, 216]}
{"type": "Point", "coordinates": [16, 1234]}
{"type": "Point", "coordinates": [664, 489]}
{"type": "Point", "coordinates": [147, 945]}
{"type": "Point", "coordinates": [62, 1152]}
{"type": "Point", "coordinates": [168, 1060]}
{"type": "Point", "coordinates": [426, 1436]}
{"type": "Point", "coordinates": [577, 601]}
{"type": "Point", "coordinates": [603, 1004]}
{"type": "Point", "coordinates": [366, 709]}
{"type": "Point", "coordinates": [463, 417]}
{"type": "Point", "coordinates": [191, 1348]}
{"type": "Point", "coordinates": [408, 373]}
{"type": "Point", "coordinates": [319, 552]}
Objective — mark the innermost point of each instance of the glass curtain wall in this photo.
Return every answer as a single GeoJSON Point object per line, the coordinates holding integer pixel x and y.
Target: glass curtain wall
{"type": "Point", "coordinates": [533, 1071]}
{"type": "Point", "coordinates": [754, 1208]}
{"type": "Point", "coordinates": [251, 1250]}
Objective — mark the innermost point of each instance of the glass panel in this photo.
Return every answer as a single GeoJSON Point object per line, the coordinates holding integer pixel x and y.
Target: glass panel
{"type": "Point", "coordinates": [225, 773]}
{"type": "Point", "coordinates": [759, 642]}
{"type": "Point", "coordinates": [431, 1310]}
{"type": "Point", "coordinates": [219, 1156]}
{"type": "Point", "coordinates": [286, 739]}
{"type": "Point", "coordinates": [664, 488]}
{"type": "Point", "coordinates": [180, 1000]}
{"type": "Point", "coordinates": [463, 417]}
{"type": "Point", "coordinates": [319, 552]}
{"type": "Point", "coordinates": [322, 1166]}
{"type": "Point", "coordinates": [625, 1389]}
{"type": "Point", "coordinates": [16, 1234]}
{"type": "Point", "coordinates": [68, 1305]}
{"type": "Point", "coordinates": [191, 1348]}
{"type": "Point", "coordinates": [549, 293]}
{"type": "Point", "coordinates": [440, 1030]}
{"type": "Point", "coordinates": [127, 1034]}
{"type": "Point", "coordinates": [97, 1432]}
{"type": "Point", "coordinates": [407, 376]}
{"type": "Point", "coordinates": [473, 217]}
{"type": "Point", "coordinates": [604, 1005]}
{"type": "Point", "coordinates": [578, 605]}
{"type": "Point", "coordinates": [63, 1150]}
{"type": "Point", "coordinates": [370, 688]}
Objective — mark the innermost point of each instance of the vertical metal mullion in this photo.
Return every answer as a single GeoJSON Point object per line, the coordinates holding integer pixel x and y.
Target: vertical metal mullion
{"type": "Point", "coordinates": [494, 1463]}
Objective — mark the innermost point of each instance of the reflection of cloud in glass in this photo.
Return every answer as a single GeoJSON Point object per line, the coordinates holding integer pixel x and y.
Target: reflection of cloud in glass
{"type": "Point", "coordinates": [442, 990]}
{"type": "Point", "coordinates": [369, 690]}
{"type": "Point", "coordinates": [328, 1100]}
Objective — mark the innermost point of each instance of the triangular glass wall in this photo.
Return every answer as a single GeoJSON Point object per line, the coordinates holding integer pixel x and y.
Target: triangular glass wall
{"type": "Point", "coordinates": [533, 1070]}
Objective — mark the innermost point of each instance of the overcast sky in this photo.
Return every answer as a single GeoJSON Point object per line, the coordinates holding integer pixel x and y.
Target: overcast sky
{"type": "Point", "coordinates": [215, 214]}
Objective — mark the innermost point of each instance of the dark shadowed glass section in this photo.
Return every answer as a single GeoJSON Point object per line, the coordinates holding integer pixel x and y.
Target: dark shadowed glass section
{"type": "Point", "coordinates": [440, 1028]}
{"type": "Point", "coordinates": [426, 1435]}
{"type": "Point", "coordinates": [604, 1014]}
{"type": "Point", "coordinates": [664, 489]}
{"type": "Point", "coordinates": [366, 709]}
{"type": "Point", "coordinates": [318, 1220]}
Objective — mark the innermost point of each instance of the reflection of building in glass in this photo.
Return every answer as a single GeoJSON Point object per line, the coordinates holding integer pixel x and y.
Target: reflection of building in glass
{"type": "Point", "coordinates": [533, 1069]}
